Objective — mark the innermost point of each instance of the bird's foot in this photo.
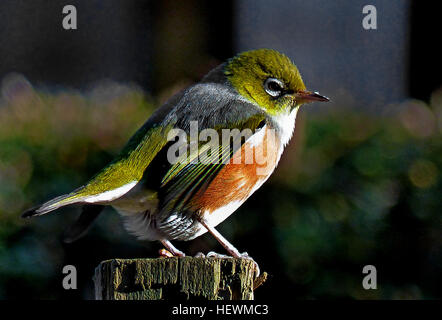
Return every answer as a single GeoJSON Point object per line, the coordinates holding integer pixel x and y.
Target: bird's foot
{"type": "Point", "coordinates": [212, 254]}
{"type": "Point", "coordinates": [165, 253]}
{"type": "Point", "coordinates": [200, 255]}
{"type": "Point", "coordinates": [171, 250]}
{"type": "Point", "coordinates": [243, 255]}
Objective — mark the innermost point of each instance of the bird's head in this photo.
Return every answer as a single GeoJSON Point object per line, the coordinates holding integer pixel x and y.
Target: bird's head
{"type": "Point", "coordinates": [269, 79]}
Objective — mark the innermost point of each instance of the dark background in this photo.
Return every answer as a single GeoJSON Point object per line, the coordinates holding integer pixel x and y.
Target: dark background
{"type": "Point", "coordinates": [132, 55]}
{"type": "Point", "coordinates": [134, 40]}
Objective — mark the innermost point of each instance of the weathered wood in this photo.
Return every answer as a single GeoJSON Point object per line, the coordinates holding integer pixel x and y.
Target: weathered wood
{"type": "Point", "coordinates": [186, 278]}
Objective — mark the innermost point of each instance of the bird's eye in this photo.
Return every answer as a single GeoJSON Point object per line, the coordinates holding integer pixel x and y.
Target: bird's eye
{"type": "Point", "coordinates": [274, 87]}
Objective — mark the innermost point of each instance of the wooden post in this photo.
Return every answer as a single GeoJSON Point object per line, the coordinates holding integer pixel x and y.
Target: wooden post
{"type": "Point", "coordinates": [186, 278]}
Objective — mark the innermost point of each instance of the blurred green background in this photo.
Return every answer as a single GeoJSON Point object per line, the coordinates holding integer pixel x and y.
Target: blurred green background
{"type": "Point", "coordinates": [354, 187]}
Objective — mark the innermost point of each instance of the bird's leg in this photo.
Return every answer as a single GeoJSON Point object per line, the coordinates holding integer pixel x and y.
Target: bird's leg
{"type": "Point", "coordinates": [227, 245]}
{"type": "Point", "coordinates": [223, 241]}
{"type": "Point", "coordinates": [171, 249]}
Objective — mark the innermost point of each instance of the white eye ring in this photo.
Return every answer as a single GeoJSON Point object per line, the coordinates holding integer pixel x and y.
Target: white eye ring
{"type": "Point", "coordinates": [274, 87]}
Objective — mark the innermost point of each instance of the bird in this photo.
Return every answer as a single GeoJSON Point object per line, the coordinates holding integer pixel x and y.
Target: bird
{"type": "Point", "coordinates": [253, 99]}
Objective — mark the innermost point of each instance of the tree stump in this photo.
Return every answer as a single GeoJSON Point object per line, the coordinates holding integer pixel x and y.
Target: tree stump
{"type": "Point", "coordinates": [184, 278]}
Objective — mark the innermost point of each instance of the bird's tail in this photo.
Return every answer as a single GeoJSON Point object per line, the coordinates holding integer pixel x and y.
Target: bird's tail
{"type": "Point", "coordinates": [52, 205]}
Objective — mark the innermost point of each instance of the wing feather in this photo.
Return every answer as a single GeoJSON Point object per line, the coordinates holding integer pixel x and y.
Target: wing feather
{"type": "Point", "coordinates": [196, 170]}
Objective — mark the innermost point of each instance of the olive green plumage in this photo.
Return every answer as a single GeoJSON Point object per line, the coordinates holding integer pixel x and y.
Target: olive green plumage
{"type": "Point", "coordinates": [248, 71]}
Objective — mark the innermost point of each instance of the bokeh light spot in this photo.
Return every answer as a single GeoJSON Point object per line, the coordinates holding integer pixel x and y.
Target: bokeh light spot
{"type": "Point", "coordinates": [423, 173]}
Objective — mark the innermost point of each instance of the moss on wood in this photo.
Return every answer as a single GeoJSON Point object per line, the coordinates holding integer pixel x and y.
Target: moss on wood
{"type": "Point", "coordinates": [187, 278]}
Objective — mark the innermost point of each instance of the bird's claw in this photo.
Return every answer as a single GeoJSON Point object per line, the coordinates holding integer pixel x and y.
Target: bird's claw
{"type": "Point", "coordinates": [200, 255]}
{"type": "Point", "coordinates": [243, 255]}
{"type": "Point", "coordinates": [169, 254]}
{"type": "Point", "coordinates": [165, 253]}
{"type": "Point", "coordinates": [211, 254]}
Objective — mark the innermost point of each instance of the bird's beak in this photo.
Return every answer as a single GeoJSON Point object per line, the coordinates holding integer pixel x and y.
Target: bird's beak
{"type": "Point", "coordinates": [307, 96]}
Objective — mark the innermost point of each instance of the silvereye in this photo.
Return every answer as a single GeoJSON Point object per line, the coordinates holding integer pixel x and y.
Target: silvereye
{"type": "Point", "coordinates": [259, 92]}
